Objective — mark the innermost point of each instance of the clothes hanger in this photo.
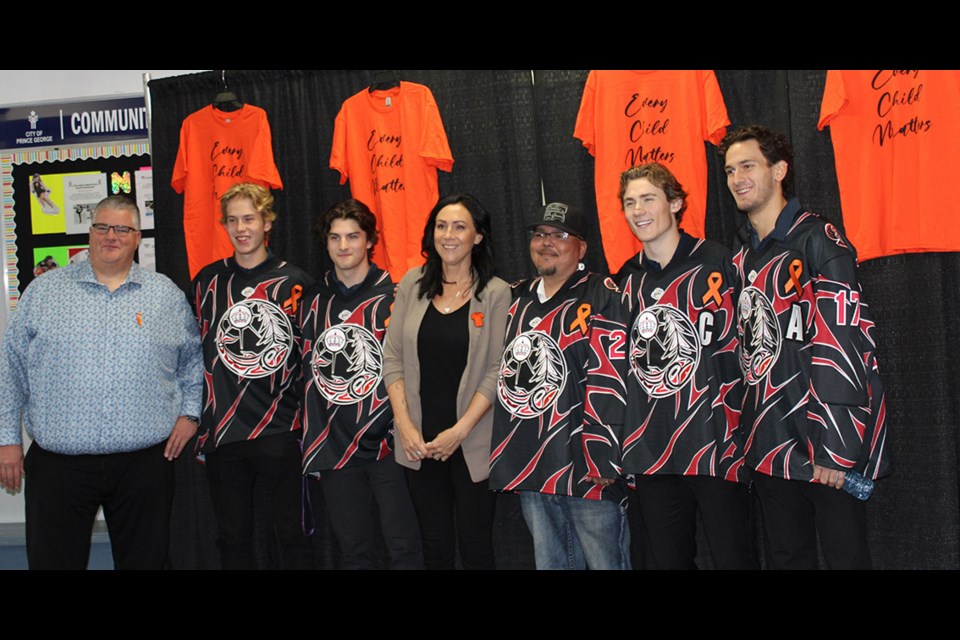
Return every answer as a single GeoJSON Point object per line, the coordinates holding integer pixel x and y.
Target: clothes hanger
{"type": "Point", "coordinates": [226, 100]}
{"type": "Point", "coordinates": [384, 79]}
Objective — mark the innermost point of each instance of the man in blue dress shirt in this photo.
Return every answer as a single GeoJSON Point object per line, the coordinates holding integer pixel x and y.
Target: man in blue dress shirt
{"type": "Point", "coordinates": [102, 363]}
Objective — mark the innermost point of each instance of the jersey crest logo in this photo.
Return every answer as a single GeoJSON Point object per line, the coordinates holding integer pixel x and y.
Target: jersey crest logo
{"type": "Point", "coordinates": [834, 235]}
{"type": "Point", "coordinates": [532, 374]}
{"type": "Point", "coordinates": [664, 350]}
{"type": "Point", "coordinates": [347, 363]}
{"type": "Point", "coordinates": [759, 333]}
{"type": "Point", "coordinates": [254, 338]}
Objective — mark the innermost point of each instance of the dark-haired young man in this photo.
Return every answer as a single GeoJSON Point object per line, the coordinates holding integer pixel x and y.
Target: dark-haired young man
{"type": "Point", "coordinates": [348, 421]}
{"type": "Point", "coordinates": [251, 416]}
{"type": "Point", "coordinates": [683, 390]}
{"type": "Point", "coordinates": [813, 407]}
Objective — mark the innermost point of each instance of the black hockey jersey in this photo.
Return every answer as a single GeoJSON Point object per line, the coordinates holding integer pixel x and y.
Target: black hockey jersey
{"type": "Point", "coordinates": [561, 393]}
{"type": "Point", "coordinates": [813, 392]}
{"type": "Point", "coordinates": [347, 415]}
{"type": "Point", "coordinates": [684, 387]}
{"type": "Point", "coordinates": [251, 364]}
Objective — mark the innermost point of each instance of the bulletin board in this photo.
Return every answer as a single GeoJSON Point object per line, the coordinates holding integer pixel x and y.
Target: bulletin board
{"type": "Point", "coordinates": [48, 200]}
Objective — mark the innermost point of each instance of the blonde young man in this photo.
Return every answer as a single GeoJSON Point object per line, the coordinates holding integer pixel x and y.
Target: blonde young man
{"type": "Point", "coordinates": [246, 305]}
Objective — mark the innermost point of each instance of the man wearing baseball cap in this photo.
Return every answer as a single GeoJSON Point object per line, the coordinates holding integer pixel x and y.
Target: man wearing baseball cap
{"type": "Point", "coordinates": [561, 402]}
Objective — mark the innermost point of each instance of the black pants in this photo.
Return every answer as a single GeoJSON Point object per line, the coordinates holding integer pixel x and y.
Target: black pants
{"type": "Point", "coordinates": [452, 508]}
{"type": "Point", "coordinates": [231, 471]}
{"type": "Point", "coordinates": [795, 512]}
{"type": "Point", "coordinates": [668, 508]}
{"type": "Point", "coordinates": [64, 492]}
{"type": "Point", "coordinates": [350, 494]}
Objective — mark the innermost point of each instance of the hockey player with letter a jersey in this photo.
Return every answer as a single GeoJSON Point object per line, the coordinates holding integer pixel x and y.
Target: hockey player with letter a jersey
{"type": "Point", "coordinates": [813, 393]}
{"type": "Point", "coordinates": [813, 408]}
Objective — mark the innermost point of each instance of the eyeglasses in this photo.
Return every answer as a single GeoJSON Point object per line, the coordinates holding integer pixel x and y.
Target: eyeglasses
{"type": "Point", "coordinates": [553, 235]}
{"type": "Point", "coordinates": [119, 229]}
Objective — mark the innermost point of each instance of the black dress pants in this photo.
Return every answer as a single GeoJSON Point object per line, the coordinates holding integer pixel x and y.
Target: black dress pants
{"type": "Point", "coordinates": [668, 508]}
{"type": "Point", "coordinates": [232, 471]}
{"type": "Point", "coordinates": [350, 494]}
{"type": "Point", "coordinates": [794, 512]}
{"type": "Point", "coordinates": [452, 509]}
{"type": "Point", "coordinates": [63, 493]}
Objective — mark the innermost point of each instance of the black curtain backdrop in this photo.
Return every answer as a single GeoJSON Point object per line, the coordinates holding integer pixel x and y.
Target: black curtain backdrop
{"type": "Point", "coordinates": [511, 134]}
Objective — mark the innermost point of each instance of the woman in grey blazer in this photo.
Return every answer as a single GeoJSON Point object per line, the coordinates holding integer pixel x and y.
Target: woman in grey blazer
{"type": "Point", "coordinates": [441, 358]}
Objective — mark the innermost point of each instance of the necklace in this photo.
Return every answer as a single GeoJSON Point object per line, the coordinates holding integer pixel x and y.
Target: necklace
{"type": "Point", "coordinates": [446, 308]}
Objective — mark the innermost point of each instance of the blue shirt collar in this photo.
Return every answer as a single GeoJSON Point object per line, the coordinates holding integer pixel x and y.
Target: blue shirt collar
{"type": "Point", "coordinates": [780, 230]}
{"type": "Point", "coordinates": [684, 247]}
{"type": "Point", "coordinates": [84, 273]}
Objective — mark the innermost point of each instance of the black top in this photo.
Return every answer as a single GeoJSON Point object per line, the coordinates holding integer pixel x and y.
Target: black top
{"type": "Point", "coordinates": [442, 346]}
{"type": "Point", "coordinates": [250, 349]}
{"type": "Point", "coordinates": [347, 418]}
{"type": "Point", "coordinates": [813, 394]}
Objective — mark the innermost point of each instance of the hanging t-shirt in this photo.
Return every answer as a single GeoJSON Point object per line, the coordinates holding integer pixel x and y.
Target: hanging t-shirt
{"type": "Point", "coordinates": [219, 149]}
{"type": "Point", "coordinates": [895, 137]}
{"type": "Point", "coordinates": [389, 144]}
{"type": "Point", "coordinates": [628, 118]}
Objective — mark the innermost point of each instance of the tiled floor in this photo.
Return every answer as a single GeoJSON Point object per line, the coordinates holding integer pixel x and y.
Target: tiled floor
{"type": "Point", "coordinates": [13, 552]}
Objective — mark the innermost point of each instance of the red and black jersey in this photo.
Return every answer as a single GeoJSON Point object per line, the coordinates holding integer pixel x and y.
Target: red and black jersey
{"type": "Point", "coordinates": [347, 415]}
{"type": "Point", "coordinates": [561, 393]}
{"type": "Point", "coordinates": [684, 387]}
{"type": "Point", "coordinates": [251, 364]}
{"type": "Point", "coordinates": [813, 393]}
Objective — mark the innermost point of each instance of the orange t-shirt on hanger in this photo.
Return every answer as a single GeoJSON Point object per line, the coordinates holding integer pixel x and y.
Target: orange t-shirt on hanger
{"type": "Point", "coordinates": [895, 139]}
{"type": "Point", "coordinates": [219, 149]}
{"type": "Point", "coordinates": [389, 144]}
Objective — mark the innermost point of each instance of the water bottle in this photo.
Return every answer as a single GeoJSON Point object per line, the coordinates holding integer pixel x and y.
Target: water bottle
{"type": "Point", "coordinates": [856, 485]}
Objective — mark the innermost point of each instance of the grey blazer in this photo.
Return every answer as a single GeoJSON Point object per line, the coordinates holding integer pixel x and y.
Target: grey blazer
{"type": "Point", "coordinates": [483, 362]}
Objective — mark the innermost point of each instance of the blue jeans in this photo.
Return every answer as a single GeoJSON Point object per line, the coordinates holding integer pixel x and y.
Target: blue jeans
{"type": "Point", "coordinates": [575, 533]}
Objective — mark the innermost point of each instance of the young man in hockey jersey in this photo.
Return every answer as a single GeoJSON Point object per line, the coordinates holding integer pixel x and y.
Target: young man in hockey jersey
{"type": "Point", "coordinates": [684, 389]}
{"type": "Point", "coordinates": [246, 305]}
{"type": "Point", "coordinates": [348, 421]}
{"type": "Point", "coordinates": [813, 402]}
{"type": "Point", "coordinates": [561, 403]}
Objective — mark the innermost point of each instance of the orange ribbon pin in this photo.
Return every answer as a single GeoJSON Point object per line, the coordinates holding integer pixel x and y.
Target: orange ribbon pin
{"type": "Point", "coordinates": [582, 314]}
{"type": "Point", "coordinates": [796, 268]}
{"type": "Point", "coordinates": [296, 291]}
{"type": "Point", "coordinates": [714, 280]}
